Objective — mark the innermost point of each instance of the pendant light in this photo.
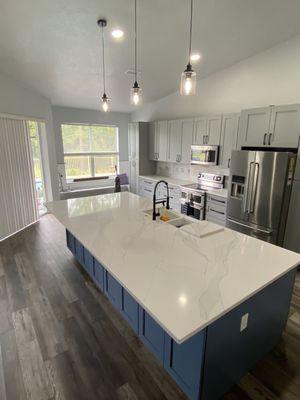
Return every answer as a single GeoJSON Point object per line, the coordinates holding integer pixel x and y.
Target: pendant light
{"type": "Point", "coordinates": [188, 77]}
{"type": "Point", "coordinates": [104, 99]}
{"type": "Point", "coordinates": [136, 91]}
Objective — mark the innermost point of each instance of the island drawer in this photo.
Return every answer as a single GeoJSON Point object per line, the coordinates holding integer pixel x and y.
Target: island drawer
{"type": "Point", "coordinates": [99, 275]}
{"type": "Point", "coordinates": [184, 362]}
{"type": "Point", "coordinates": [151, 334]}
{"type": "Point", "coordinates": [112, 289]}
{"type": "Point", "coordinates": [130, 310]}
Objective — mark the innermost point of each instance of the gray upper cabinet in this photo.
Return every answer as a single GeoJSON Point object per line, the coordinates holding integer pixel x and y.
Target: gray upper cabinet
{"type": "Point", "coordinates": [200, 130]}
{"type": "Point", "coordinates": [284, 126]}
{"type": "Point", "coordinates": [229, 134]}
{"type": "Point", "coordinates": [152, 141]}
{"type": "Point", "coordinates": [162, 140]}
{"type": "Point", "coordinates": [213, 130]}
{"type": "Point", "coordinates": [174, 140]}
{"type": "Point", "coordinates": [186, 141]}
{"type": "Point", "coordinates": [254, 127]}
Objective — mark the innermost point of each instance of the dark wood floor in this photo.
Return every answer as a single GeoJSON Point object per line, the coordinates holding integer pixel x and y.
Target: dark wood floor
{"type": "Point", "coordinates": [61, 339]}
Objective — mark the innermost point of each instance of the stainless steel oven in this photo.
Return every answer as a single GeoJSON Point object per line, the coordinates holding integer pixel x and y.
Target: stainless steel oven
{"type": "Point", "coordinates": [204, 155]}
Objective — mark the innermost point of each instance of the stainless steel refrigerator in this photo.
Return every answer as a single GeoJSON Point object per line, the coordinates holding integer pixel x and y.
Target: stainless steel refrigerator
{"type": "Point", "coordinates": [292, 234]}
{"type": "Point", "coordinates": [259, 193]}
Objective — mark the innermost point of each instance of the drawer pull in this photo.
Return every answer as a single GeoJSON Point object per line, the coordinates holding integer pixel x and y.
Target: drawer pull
{"type": "Point", "coordinates": [218, 212]}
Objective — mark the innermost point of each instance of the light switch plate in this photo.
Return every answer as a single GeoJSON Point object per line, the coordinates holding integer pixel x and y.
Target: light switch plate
{"type": "Point", "coordinates": [244, 322]}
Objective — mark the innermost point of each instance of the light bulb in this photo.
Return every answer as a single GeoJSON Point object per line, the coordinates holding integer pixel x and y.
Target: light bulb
{"type": "Point", "coordinates": [188, 85]}
{"type": "Point", "coordinates": [136, 98]}
{"type": "Point", "coordinates": [105, 106]}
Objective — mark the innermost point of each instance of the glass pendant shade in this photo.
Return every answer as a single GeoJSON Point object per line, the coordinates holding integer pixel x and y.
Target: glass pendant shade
{"type": "Point", "coordinates": [136, 95]}
{"type": "Point", "coordinates": [188, 82]}
{"type": "Point", "coordinates": [104, 103]}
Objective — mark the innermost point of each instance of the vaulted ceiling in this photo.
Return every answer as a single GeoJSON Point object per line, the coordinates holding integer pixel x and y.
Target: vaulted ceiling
{"type": "Point", "coordinates": [54, 46]}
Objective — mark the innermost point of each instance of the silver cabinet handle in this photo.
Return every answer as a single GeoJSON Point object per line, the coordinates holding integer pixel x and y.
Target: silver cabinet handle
{"type": "Point", "coordinates": [228, 164]}
{"type": "Point", "coordinates": [269, 141]}
{"type": "Point", "coordinates": [218, 212]}
{"type": "Point", "coordinates": [265, 137]}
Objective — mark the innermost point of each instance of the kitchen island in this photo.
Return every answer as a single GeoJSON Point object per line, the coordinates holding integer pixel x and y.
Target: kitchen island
{"type": "Point", "coordinates": [208, 302]}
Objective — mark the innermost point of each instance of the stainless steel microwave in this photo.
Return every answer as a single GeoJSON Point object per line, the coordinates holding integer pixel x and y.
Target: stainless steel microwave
{"type": "Point", "coordinates": [204, 155]}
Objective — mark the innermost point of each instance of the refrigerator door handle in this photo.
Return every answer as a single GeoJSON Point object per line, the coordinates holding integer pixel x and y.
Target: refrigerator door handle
{"type": "Point", "coordinates": [254, 190]}
{"type": "Point", "coordinates": [266, 231]}
{"type": "Point", "coordinates": [247, 205]}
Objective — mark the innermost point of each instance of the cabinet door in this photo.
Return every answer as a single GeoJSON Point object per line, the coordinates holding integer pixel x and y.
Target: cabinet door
{"type": "Point", "coordinates": [152, 141]}
{"type": "Point", "coordinates": [162, 140]}
{"type": "Point", "coordinates": [79, 251]}
{"type": "Point", "coordinates": [130, 310]}
{"type": "Point", "coordinates": [70, 241]}
{"type": "Point", "coordinates": [133, 175]}
{"type": "Point", "coordinates": [187, 140]}
{"type": "Point", "coordinates": [285, 126]}
{"type": "Point", "coordinates": [133, 137]}
{"type": "Point", "coordinates": [184, 362]}
{"type": "Point", "coordinates": [200, 130]}
{"type": "Point", "coordinates": [214, 130]}
{"type": "Point", "coordinates": [174, 140]}
{"type": "Point", "coordinates": [99, 275]}
{"type": "Point", "coordinates": [113, 290]}
{"type": "Point", "coordinates": [254, 127]}
{"type": "Point", "coordinates": [229, 133]}
{"type": "Point", "coordinates": [151, 334]}
{"type": "Point", "coordinates": [88, 262]}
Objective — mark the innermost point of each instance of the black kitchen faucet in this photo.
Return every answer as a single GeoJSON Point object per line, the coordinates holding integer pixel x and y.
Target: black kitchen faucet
{"type": "Point", "coordinates": [163, 202]}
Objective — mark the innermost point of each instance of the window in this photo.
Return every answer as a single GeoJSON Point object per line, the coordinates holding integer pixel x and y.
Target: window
{"type": "Point", "coordinates": [90, 150]}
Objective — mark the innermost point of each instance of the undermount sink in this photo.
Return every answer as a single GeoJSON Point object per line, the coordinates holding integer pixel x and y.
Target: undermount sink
{"type": "Point", "coordinates": [174, 219]}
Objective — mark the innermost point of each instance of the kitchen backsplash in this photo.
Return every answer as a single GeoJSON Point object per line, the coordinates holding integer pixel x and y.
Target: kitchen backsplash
{"type": "Point", "coordinates": [187, 172]}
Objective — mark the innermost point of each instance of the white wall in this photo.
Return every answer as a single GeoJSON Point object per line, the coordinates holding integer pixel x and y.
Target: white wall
{"type": "Point", "coordinates": [271, 77]}
{"type": "Point", "coordinates": [17, 99]}
{"type": "Point", "coordinates": [73, 115]}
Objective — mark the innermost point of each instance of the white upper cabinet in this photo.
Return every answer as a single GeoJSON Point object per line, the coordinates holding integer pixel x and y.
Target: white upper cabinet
{"type": "Point", "coordinates": [174, 140]}
{"type": "Point", "coordinates": [133, 140]}
{"type": "Point", "coordinates": [229, 133]}
{"type": "Point", "coordinates": [254, 127]}
{"type": "Point", "coordinates": [186, 141]}
{"type": "Point", "coordinates": [152, 141]}
{"type": "Point", "coordinates": [200, 130]}
{"type": "Point", "coordinates": [162, 140]}
{"type": "Point", "coordinates": [284, 126]}
{"type": "Point", "coordinates": [213, 130]}
{"type": "Point", "coordinates": [275, 126]}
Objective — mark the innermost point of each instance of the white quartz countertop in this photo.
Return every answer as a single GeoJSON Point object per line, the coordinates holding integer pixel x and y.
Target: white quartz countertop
{"type": "Point", "coordinates": [184, 279]}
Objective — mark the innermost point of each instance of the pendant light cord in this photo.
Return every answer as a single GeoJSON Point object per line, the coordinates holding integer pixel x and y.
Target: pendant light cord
{"type": "Point", "coordinates": [135, 41]}
{"type": "Point", "coordinates": [191, 30]}
{"type": "Point", "coordinates": [103, 61]}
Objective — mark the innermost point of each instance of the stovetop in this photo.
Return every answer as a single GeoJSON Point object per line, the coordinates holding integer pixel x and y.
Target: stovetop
{"type": "Point", "coordinates": [206, 182]}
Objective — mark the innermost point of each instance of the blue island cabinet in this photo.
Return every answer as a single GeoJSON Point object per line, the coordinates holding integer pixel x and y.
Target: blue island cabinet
{"type": "Point", "coordinates": [99, 273]}
{"type": "Point", "coordinates": [79, 251]}
{"type": "Point", "coordinates": [184, 362]}
{"type": "Point", "coordinates": [70, 241]}
{"type": "Point", "coordinates": [130, 310]}
{"type": "Point", "coordinates": [151, 334]}
{"type": "Point", "coordinates": [88, 262]}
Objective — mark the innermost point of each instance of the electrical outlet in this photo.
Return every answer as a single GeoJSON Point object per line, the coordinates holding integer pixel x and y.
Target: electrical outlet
{"type": "Point", "coordinates": [244, 322]}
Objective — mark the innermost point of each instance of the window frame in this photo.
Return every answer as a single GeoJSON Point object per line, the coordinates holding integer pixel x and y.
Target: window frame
{"type": "Point", "coordinates": [92, 154]}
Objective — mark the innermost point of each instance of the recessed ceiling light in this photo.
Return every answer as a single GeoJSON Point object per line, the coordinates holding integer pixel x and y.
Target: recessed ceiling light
{"type": "Point", "coordinates": [117, 33]}
{"type": "Point", "coordinates": [195, 57]}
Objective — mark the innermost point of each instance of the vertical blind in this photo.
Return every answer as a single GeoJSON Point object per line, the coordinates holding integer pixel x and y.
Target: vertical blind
{"type": "Point", "coordinates": [18, 203]}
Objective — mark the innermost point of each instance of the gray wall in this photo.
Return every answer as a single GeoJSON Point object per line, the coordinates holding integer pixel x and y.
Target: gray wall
{"type": "Point", "coordinates": [17, 99]}
{"type": "Point", "coordinates": [73, 115]}
{"type": "Point", "coordinates": [270, 77]}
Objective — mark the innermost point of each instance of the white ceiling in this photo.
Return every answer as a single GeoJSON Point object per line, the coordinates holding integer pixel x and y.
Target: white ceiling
{"type": "Point", "coordinates": [54, 45]}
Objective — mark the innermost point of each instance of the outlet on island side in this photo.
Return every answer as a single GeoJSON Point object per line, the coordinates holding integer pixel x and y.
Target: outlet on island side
{"type": "Point", "coordinates": [244, 322]}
